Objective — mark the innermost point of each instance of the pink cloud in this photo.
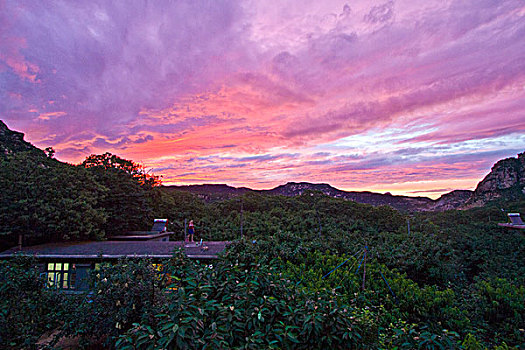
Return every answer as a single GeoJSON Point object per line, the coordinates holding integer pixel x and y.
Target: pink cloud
{"type": "Point", "coordinates": [194, 88]}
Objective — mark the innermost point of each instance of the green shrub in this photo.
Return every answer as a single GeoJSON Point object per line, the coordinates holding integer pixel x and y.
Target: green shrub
{"type": "Point", "coordinates": [27, 308]}
{"type": "Point", "coordinates": [120, 295]}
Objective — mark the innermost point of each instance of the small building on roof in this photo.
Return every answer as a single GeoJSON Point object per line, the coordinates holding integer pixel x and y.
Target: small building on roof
{"type": "Point", "coordinates": [159, 232]}
{"type": "Point", "coordinates": [515, 221]}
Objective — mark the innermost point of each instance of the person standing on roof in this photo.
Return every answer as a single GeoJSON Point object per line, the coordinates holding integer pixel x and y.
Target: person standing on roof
{"type": "Point", "coordinates": [191, 230]}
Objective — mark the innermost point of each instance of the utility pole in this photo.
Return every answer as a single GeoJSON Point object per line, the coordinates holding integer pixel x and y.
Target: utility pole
{"type": "Point", "coordinates": [364, 267]}
{"type": "Point", "coordinates": [241, 219]}
{"type": "Point", "coordinates": [185, 232]}
{"type": "Point", "coordinates": [365, 253]}
{"type": "Point", "coordinates": [408, 226]}
{"type": "Point", "coordinates": [319, 220]}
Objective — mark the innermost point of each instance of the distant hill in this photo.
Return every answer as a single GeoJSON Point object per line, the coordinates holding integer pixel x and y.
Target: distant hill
{"type": "Point", "coordinates": [217, 192]}
{"type": "Point", "coordinates": [376, 199]}
{"type": "Point", "coordinates": [211, 192]}
{"type": "Point", "coordinates": [506, 181]}
{"type": "Point", "coordinates": [292, 189]}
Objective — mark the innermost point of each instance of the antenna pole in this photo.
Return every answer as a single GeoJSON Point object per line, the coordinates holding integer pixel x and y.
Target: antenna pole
{"type": "Point", "coordinates": [364, 268]}
{"type": "Point", "coordinates": [241, 219]}
{"type": "Point", "coordinates": [319, 221]}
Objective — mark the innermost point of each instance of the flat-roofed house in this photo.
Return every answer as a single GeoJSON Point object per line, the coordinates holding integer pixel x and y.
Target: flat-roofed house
{"type": "Point", "coordinates": [66, 265]}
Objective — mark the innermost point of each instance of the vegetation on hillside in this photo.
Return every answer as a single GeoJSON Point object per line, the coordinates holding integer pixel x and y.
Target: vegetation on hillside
{"type": "Point", "coordinates": [307, 272]}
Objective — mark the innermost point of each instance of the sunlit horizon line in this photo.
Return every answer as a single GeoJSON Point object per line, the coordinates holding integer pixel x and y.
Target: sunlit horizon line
{"type": "Point", "coordinates": [429, 193]}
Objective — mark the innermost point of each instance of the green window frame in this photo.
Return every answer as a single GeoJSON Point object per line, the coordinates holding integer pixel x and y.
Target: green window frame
{"type": "Point", "coordinates": [61, 275]}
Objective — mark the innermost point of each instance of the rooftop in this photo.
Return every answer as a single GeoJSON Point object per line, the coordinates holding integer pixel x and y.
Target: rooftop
{"type": "Point", "coordinates": [118, 249]}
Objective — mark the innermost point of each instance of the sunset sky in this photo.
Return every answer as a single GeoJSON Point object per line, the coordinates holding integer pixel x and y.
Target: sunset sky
{"type": "Point", "coordinates": [410, 97]}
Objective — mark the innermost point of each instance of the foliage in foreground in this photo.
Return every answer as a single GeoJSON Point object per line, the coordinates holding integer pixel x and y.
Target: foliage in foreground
{"type": "Point", "coordinates": [249, 300]}
{"type": "Point", "coordinates": [27, 309]}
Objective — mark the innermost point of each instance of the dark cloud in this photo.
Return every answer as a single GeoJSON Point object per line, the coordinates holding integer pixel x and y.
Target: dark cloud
{"type": "Point", "coordinates": [440, 190]}
{"type": "Point", "coordinates": [381, 13]}
{"type": "Point", "coordinates": [144, 139]}
{"type": "Point", "coordinates": [266, 157]}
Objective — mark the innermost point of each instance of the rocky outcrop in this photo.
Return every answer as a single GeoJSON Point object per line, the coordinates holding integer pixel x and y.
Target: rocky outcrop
{"type": "Point", "coordinates": [452, 200]}
{"type": "Point", "coordinates": [13, 141]}
{"type": "Point", "coordinates": [292, 189]}
{"type": "Point", "coordinates": [506, 181]}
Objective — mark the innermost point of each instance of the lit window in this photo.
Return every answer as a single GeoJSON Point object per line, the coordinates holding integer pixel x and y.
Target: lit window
{"type": "Point", "coordinates": [61, 275]}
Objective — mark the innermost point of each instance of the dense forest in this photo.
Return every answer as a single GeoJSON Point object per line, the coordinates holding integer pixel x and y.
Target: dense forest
{"type": "Point", "coordinates": [303, 272]}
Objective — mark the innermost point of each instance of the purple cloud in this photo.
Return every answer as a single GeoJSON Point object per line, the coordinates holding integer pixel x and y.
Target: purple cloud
{"type": "Point", "coordinates": [103, 62]}
{"type": "Point", "coordinates": [310, 91]}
